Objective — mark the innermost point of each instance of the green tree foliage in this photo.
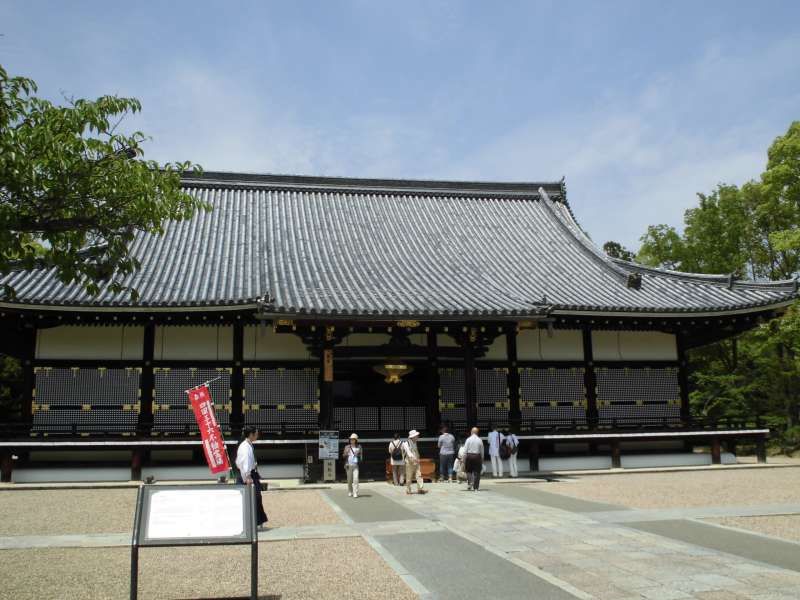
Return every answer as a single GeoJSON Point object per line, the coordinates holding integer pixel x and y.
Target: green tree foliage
{"type": "Point", "coordinates": [74, 190]}
{"type": "Point", "coordinates": [752, 232]}
{"type": "Point", "coordinates": [617, 250]}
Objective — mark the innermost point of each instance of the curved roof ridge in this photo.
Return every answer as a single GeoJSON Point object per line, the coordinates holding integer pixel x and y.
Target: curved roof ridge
{"type": "Point", "coordinates": [270, 180]}
{"type": "Point", "coordinates": [712, 278]}
{"type": "Point", "coordinates": [570, 225]}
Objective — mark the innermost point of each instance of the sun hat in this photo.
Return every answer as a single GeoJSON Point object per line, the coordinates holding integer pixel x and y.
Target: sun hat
{"type": "Point", "coordinates": [413, 433]}
{"type": "Point", "coordinates": [353, 436]}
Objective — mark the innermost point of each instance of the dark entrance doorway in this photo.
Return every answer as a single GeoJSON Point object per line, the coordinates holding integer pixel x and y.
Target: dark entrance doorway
{"type": "Point", "coordinates": [364, 402]}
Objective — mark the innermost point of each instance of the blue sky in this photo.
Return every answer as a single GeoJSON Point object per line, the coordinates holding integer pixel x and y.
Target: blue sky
{"type": "Point", "coordinates": [639, 104]}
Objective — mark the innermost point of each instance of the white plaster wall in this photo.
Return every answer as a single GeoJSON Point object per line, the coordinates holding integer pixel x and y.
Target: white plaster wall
{"type": "Point", "coordinates": [536, 344]}
{"type": "Point", "coordinates": [444, 340]}
{"type": "Point", "coordinates": [116, 342]}
{"type": "Point", "coordinates": [634, 345]}
{"type": "Point", "coordinates": [497, 351]}
{"type": "Point", "coordinates": [367, 339]}
{"type": "Point", "coordinates": [262, 343]}
{"type": "Point", "coordinates": [214, 342]}
{"type": "Point", "coordinates": [565, 344]}
{"type": "Point", "coordinates": [528, 347]}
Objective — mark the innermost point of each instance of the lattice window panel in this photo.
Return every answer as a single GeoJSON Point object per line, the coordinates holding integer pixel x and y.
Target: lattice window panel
{"type": "Point", "coordinates": [553, 396]}
{"type": "Point", "coordinates": [343, 418]}
{"type": "Point", "coordinates": [393, 418]}
{"type": "Point", "coordinates": [171, 409]}
{"type": "Point", "coordinates": [86, 400]}
{"type": "Point", "coordinates": [93, 387]}
{"type": "Point", "coordinates": [642, 396]}
{"type": "Point", "coordinates": [85, 421]}
{"type": "Point", "coordinates": [366, 418]}
{"type": "Point", "coordinates": [492, 396]}
{"type": "Point", "coordinates": [281, 399]}
{"type": "Point", "coordinates": [451, 398]}
{"type": "Point", "coordinates": [415, 418]}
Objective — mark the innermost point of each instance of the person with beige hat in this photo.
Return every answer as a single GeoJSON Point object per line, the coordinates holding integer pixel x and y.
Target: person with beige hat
{"type": "Point", "coordinates": [411, 458]}
{"type": "Point", "coordinates": [352, 455]}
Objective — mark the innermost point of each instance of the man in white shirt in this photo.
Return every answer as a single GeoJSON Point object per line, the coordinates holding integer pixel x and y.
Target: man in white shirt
{"type": "Point", "coordinates": [411, 458]}
{"type": "Point", "coordinates": [512, 442]}
{"type": "Point", "coordinates": [473, 459]}
{"type": "Point", "coordinates": [495, 439]}
{"type": "Point", "coordinates": [248, 469]}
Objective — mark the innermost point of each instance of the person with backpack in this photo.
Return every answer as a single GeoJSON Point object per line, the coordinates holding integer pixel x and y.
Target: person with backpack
{"type": "Point", "coordinates": [511, 442]}
{"type": "Point", "coordinates": [447, 454]}
{"type": "Point", "coordinates": [495, 443]}
{"type": "Point", "coordinates": [396, 460]}
{"type": "Point", "coordinates": [352, 455]}
{"type": "Point", "coordinates": [411, 456]}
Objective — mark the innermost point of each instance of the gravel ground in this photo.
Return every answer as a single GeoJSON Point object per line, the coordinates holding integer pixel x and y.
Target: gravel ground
{"type": "Point", "coordinates": [39, 512]}
{"type": "Point", "coordinates": [744, 487]}
{"type": "Point", "coordinates": [56, 512]}
{"type": "Point", "coordinates": [786, 527]}
{"type": "Point", "coordinates": [323, 569]}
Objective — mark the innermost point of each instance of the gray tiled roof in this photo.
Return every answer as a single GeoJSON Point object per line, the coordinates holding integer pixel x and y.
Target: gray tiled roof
{"type": "Point", "coordinates": [392, 248]}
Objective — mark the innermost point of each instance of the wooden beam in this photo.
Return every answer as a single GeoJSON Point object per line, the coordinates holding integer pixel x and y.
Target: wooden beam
{"type": "Point", "coordinates": [683, 377]}
{"type": "Point", "coordinates": [28, 355]}
{"type": "Point", "coordinates": [432, 384]}
{"type": "Point", "coordinates": [514, 411]}
{"type": "Point", "coordinates": [147, 382]}
{"type": "Point", "coordinates": [590, 380]}
{"type": "Point", "coordinates": [237, 380]}
{"type": "Point", "coordinates": [470, 391]}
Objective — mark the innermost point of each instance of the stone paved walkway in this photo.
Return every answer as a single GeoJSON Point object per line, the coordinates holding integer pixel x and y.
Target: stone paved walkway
{"type": "Point", "coordinates": [600, 559]}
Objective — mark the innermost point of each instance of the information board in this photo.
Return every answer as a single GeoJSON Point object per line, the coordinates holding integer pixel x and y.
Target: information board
{"type": "Point", "coordinates": [328, 445]}
{"type": "Point", "coordinates": [195, 515]}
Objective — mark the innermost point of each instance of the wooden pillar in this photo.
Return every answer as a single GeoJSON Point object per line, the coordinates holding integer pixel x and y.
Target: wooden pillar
{"type": "Point", "coordinates": [533, 456]}
{"type": "Point", "coordinates": [434, 415]}
{"type": "Point", "coordinates": [761, 449]}
{"type": "Point", "coordinates": [616, 456]}
{"type": "Point", "coordinates": [147, 381]}
{"type": "Point", "coordinates": [683, 378]}
{"type": "Point", "coordinates": [470, 391]}
{"type": "Point", "coordinates": [326, 379]}
{"type": "Point", "coordinates": [237, 381]}
{"type": "Point", "coordinates": [514, 411]}
{"type": "Point", "coordinates": [6, 466]}
{"type": "Point", "coordinates": [589, 380]}
{"type": "Point", "coordinates": [716, 454]}
{"type": "Point", "coordinates": [28, 356]}
{"type": "Point", "coordinates": [137, 457]}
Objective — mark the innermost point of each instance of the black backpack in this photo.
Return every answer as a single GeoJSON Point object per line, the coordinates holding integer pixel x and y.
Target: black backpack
{"type": "Point", "coordinates": [505, 450]}
{"type": "Point", "coordinates": [397, 452]}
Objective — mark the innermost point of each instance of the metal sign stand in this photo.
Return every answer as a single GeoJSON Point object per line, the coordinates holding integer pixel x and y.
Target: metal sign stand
{"type": "Point", "coordinates": [138, 541]}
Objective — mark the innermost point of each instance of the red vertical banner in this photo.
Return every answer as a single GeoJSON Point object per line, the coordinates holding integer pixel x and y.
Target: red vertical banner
{"type": "Point", "coordinates": [213, 444]}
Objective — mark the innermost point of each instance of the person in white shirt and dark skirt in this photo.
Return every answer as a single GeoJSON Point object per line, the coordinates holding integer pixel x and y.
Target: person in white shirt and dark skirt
{"type": "Point", "coordinates": [248, 469]}
{"type": "Point", "coordinates": [352, 455]}
{"type": "Point", "coordinates": [473, 460]}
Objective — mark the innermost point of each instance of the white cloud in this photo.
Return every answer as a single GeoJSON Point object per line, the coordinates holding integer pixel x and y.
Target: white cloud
{"type": "Point", "coordinates": [638, 160]}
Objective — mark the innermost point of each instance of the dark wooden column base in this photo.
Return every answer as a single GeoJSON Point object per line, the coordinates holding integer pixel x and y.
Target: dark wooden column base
{"type": "Point", "coordinates": [533, 456]}
{"type": "Point", "coordinates": [616, 456]}
{"type": "Point", "coordinates": [716, 452]}
{"type": "Point", "coordinates": [6, 466]}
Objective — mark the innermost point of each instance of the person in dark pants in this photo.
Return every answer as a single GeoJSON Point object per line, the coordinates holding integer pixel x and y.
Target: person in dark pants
{"type": "Point", "coordinates": [248, 469]}
{"type": "Point", "coordinates": [473, 456]}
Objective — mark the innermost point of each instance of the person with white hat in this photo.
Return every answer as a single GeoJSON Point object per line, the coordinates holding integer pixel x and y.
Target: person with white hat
{"type": "Point", "coordinates": [353, 456]}
{"type": "Point", "coordinates": [411, 457]}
